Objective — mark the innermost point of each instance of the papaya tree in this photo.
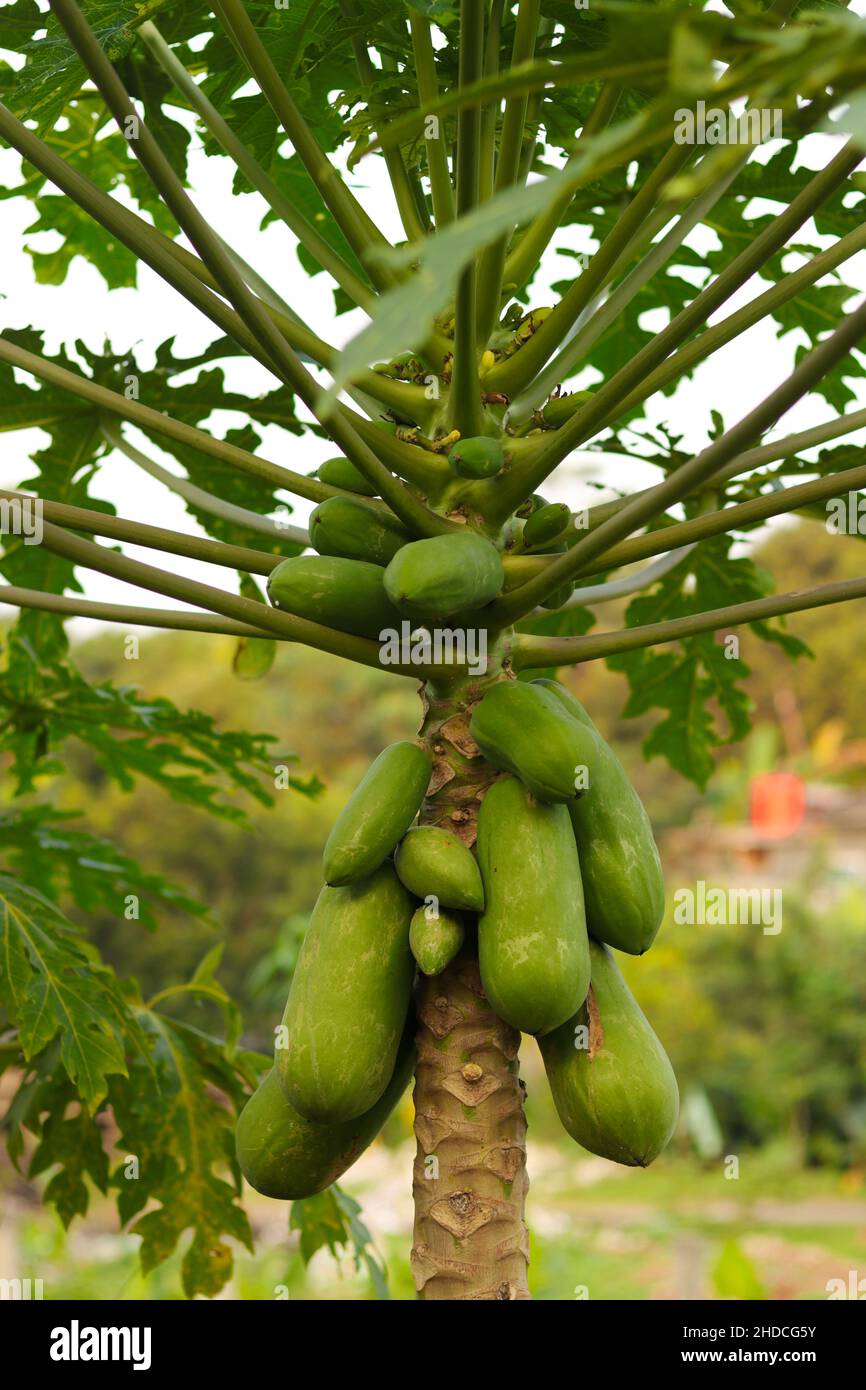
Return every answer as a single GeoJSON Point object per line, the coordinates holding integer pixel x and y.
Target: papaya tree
{"type": "Point", "coordinates": [706, 158]}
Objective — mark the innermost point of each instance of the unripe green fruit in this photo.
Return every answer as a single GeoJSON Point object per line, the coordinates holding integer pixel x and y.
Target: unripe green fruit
{"type": "Point", "coordinates": [561, 408]}
{"type": "Point", "coordinates": [435, 939]}
{"type": "Point", "coordinates": [481, 457]}
{"type": "Point", "coordinates": [431, 862]}
{"type": "Point", "coordinates": [348, 1000]}
{"type": "Point", "coordinates": [340, 472]}
{"type": "Point", "coordinates": [523, 729]}
{"type": "Point", "coordinates": [341, 526]}
{"type": "Point", "coordinates": [284, 1155]}
{"type": "Point", "coordinates": [613, 1086]}
{"type": "Point", "coordinates": [546, 524]}
{"type": "Point", "coordinates": [444, 575]}
{"type": "Point", "coordinates": [378, 814]}
{"type": "Point", "coordinates": [346, 594]}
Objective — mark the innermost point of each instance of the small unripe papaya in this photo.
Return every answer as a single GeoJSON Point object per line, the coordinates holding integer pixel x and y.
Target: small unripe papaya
{"type": "Point", "coordinates": [340, 472]}
{"type": "Point", "coordinates": [435, 938]}
{"type": "Point", "coordinates": [377, 815]}
{"type": "Point", "coordinates": [532, 504]}
{"type": "Point", "coordinates": [546, 524]}
{"type": "Point", "coordinates": [346, 594]}
{"type": "Point", "coordinates": [561, 408]}
{"type": "Point", "coordinates": [481, 457]}
{"type": "Point", "coordinates": [431, 862]}
{"type": "Point", "coordinates": [342, 526]}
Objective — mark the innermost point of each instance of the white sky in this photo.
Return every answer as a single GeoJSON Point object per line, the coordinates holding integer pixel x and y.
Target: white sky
{"type": "Point", "coordinates": [735, 380]}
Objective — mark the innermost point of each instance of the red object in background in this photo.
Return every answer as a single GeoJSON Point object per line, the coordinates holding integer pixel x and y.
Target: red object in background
{"type": "Point", "coordinates": [778, 803]}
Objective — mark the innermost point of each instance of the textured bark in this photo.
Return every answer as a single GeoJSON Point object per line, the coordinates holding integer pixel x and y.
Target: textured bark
{"type": "Point", "coordinates": [470, 1167]}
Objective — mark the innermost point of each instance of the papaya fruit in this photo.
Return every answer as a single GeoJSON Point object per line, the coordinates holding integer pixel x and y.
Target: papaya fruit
{"type": "Point", "coordinates": [341, 472]}
{"type": "Point", "coordinates": [284, 1155]}
{"type": "Point", "coordinates": [435, 939]}
{"type": "Point", "coordinates": [377, 814]}
{"type": "Point", "coordinates": [481, 457]}
{"type": "Point", "coordinates": [546, 524]}
{"type": "Point", "coordinates": [345, 594]}
{"type": "Point", "coordinates": [523, 729]}
{"type": "Point", "coordinates": [445, 575]}
{"type": "Point", "coordinates": [613, 1085]}
{"type": "Point", "coordinates": [432, 862]}
{"type": "Point", "coordinates": [349, 998]}
{"type": "Point", "coordinates": [532, 944]}
{"type": "Point", "coordinates": [559, 409]}
{"type": "Point", "coordinates": [342, 526]}
{"type": "Point", "coordinates": [623, 881]}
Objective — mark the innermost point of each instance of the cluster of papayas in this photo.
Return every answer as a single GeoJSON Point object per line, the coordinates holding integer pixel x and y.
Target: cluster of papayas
{"type": "Point", "coordinates": [564, 868]}
{"type": "Point", "coordinates": [569, 869]}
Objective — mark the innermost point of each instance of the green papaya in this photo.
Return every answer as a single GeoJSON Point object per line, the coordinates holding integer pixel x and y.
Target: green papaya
{"type": "Point", "coordinates": [559, 409]}
{"type": "Point", "coordinates": [435, 939]}
{"type": "Point", "coordinates": [523, 729]}
{"type": "Point", "coordinates": [445, 575]}
{"type": "Point", "coordinates": [349, 998]}
{"type": "Point", "coordinates": [546, 524]}
{"type": "Point", "coordinates": [431, 862]}
{"type": "Point", "coordinates": [282, 1154]}
{"type": "Point", "coordinates": [481, 457]}
{"type": "Point", "coordinates": [613, 1086]}
{"type": "Point", "coordinates": [342, 526]}
{"type": "Point", "coordinates": [377, 815]}
{"type": "Point", "coordinates": [340, 472]}
{"type": "Point", "coordinates": [622, 874]}
{"type": "Point", "coordinates": [532, 943]}
{"type": "Point", "coordinates": [345, 594]}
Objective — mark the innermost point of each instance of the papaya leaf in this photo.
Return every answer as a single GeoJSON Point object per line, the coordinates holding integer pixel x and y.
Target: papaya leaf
{"type": "Point", "coordinates": [331, 1220]}
{"type": "Point", "coordinates": [687, 680]}
{"type": "Point", "coordinates": [54, 985]}
{"type": "Point", "coordinates": [176, 1134]}
{"type": "Point", "coordinates": [86, 868]}
{"type": "Point", "coordinates": [254, 656]}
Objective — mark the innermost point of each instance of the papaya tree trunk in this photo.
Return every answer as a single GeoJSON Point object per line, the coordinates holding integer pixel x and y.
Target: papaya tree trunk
{"type": "Point", "coordinates": [470, 1181]}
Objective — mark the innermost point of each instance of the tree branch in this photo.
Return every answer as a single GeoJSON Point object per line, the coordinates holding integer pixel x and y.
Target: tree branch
{"type": "Point", "coordinates": [492, 260]}
{"type": "Point", "coordinates": [606, 403]}
{"type": "Point", "coordinates": [156, 422]}
{"type": "Point", "coordinates": [263, 618]}
{"type": "Point", "coordinates": [298, 225]}
{"type": "Point", "coordinates": [130, 616]}
{"type": "Point", "coordinates": [95, 523]}
{"type": "Point", "coordinates": [702, 469]}
{"type": "Point", "coordinates": [360, 232]}
{"type": "Point", "coordinates": [567, 651]}
{"type": "Point", "coordinates": [198, 497]}
{"type": "Point", "coordinates": [464, 403]}
{"type": "Point", "coordinates": [402, 189]}
{"type": "Point", "coordinates": [441, 190]}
